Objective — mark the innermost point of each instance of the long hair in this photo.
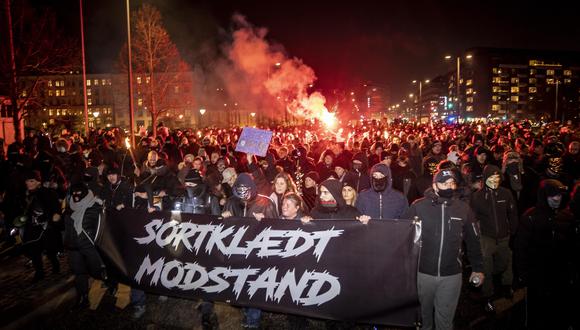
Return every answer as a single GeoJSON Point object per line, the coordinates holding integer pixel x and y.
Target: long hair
{"type": "Point", "coordinates": [298, 201]}
{"type": "Point", "coordinates": [354, 198]}
{"type": "Point", "coordinates": [290, 185]}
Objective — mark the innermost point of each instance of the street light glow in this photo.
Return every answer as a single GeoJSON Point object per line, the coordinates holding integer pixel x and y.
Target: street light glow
{"type": "Point", "coordinates": [202, 111]}
{"type": "Point", "coordinates": [447, 57]}
{"type": "Point", "coordinates": [468, 56]}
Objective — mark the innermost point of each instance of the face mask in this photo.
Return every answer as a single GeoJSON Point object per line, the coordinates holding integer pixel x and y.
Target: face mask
{"type": "Point", "coordinates": [446, 193]}
{"type": "Point", "coordinates": [493, 182]}
{"type": "Point", "coordinates": [379, 184]}
{"type": "Point", "coordinates": [329, 204]}
{"type": "Point", "coordinates": [77, 196]}
{"type": "Point", "coordinates": [513, 168]}
{"type": "Point", "coordinates": [554, 202]}
{"type": "Point", "coordinates": [61, 149]}
{"type": "Point", "coordinates": [356, 167]}
{"type": "Point", "coordinates": [243, 192]}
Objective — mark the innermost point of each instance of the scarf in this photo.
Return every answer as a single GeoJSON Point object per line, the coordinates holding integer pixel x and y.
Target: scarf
{"type": "Point", "coordinates": [80, 208]}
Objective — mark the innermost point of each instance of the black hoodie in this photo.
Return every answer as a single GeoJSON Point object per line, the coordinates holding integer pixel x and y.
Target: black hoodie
{"type": "Point", "coordinates": [256, 203]}
{"type": "Point", "coordinates": [342, 211]}
{"type": "Point", "coordinates": [495, 209]}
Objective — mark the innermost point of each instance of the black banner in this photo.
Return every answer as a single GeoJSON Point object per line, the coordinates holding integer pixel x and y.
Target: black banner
{"type": "Point", "coordinates": [340, 270]}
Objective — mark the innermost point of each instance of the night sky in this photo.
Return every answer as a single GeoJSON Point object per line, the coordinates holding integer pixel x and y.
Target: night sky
{"type": "Point", "coordinates": [388, 43]}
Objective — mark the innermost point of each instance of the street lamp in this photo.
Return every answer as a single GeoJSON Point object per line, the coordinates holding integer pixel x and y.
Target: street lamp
{"type": "Point", "coordinates": [420, 101]}
{"type": "Point", "coordinates": [201, 112]}
{"type": "Point", "coordinates": [457, 82]}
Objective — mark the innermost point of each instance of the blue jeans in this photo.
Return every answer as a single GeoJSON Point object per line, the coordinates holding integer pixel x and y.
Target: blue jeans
{"type": "Point", "coordinates": [252, 317]}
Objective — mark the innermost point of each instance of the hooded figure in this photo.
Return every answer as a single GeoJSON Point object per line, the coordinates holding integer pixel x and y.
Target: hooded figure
{"type": "Point", "coordinates": [195, 197]}
{"type": "Point", "coordinates": [495, 208]}
{"type": "Point", "coordinates": [513, 169]}
{"type": "Point", "coordinates": [358, 173]}
{"type": "Point", "coordinates": [545, 255]}
{"type": "Point", "coordinates": [81, 229]}
{"type": "Point", "coordinates": [382, 201]}
{"type": "Point", "coordinates": [246, 201]}
{"type": "Point", "coordinates": [331, 204]}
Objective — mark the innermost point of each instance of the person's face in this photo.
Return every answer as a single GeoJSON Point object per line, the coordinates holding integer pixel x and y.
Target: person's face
{"type": "Point", "coordinates": [325, 195]}
{"type": "Point", "coordinates": [348, 193]}
{"type": "Point", "coordinates": [152, 160]}
{"type": "Point", "coordinates": [574, 148]}
{"type": "Point", "coordinates": [214, 157]}
{"type": "Point", "coordinates": [387, 161]}
{"type": "Point", "coordinates": [289, 208]}
{"type": "Point", "coordinates": [280, 186]}
{"type": "Point", "coordinates": [437, 149]}
{"type": "Point", "coordinates": [481, 158]}
{"type": "Point", "coordinates": [449, 184]}
{"type": "Point", "coordinates": [283, 153]}
{"type": "Point", "coordinates": [32, 184]}
{"type": "Point", "coordinates": [327, 160]}
{"type": "Point", "coordinates": [378, 151]}
{"type": "Point", "coordinates": [339, 171]}
{"type": "Point", "coordinates": [112, 178]}
{"type": "Point", "coordinates": [309, 183]}
{"type": "Point", "coordinates": [197, 164]}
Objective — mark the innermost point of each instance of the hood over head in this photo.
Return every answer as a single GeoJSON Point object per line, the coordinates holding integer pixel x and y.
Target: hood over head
{"type": "Point", "coordinates": [335, 188]}
{"type": "Point", "coordinates": [245, 184]}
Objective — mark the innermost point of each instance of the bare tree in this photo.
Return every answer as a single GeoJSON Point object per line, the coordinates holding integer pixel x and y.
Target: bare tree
{"type": "Point", "coordinates": [156, 58]}
{"type": "Point", "coordinates": [36, 47]}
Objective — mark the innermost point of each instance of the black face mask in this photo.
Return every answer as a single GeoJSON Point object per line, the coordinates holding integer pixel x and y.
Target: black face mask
{"type": "Point", "coordinates": [446, 193]}
{"type": "Point", "coordinates": [379, 184]}
{"type": "Point", "coordinates": [356, 167]}
{"type": "Point", "coordinates": [78, 195]}
{"type": "Point", "coordinates": [513, 168]}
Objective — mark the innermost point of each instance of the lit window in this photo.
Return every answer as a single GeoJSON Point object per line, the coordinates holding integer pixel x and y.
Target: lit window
{"type": "Point", "coordinates": [532, 89]}
{"type": "Point", "coordinates": [532, 80]}
{"type": "Point", "coordinates": [469, 91]}
{"type": "Point", "coordinates": [567, 72]}
{"type": "Point", "coordinates": [515, 89]}
{"type": "Point", "coordinates": [494, 70]}
{"type": "Point", "coordinates": [57, 83]}
{"type": "Point", "coordinates": [96, 82]}
{"type": "Point", "coordinates": [64, 112]}
{"type": "Point", "coordinates": [57, 92]}
{"type": "Point", "coordinates": [550, 72]}
{"type": "Point", "coordinates": [58, 112]}
{"type": "Point", "coordinates": [494, 98]}
{"type": "Point", "coordinates": [138, 80]}
{"type": "Point", "coordinates": [89, 92]}
{"type": "Point", "coordinates": [103, 81]}
{"type": "Point", "coordinates": [469, 82]}
{"type": "Point", "coordinates": [469, 108]}
{"type": "Point", "coordinates": [515, 80]}
{"type": "Point", "coordinates": [550, 81]}
{"type": "Point", "coordinates": [496, 80]}
{"type": "Point", "coordinates": [62, 92]}
{"type": "Point", "coordinates": [515, 98]}
{"type": "Point", "coordinates": [88, 82]}
{"type": "Point", "coordinates": [495, 107]}
{"type": "Point", "coordinates": [24, 93]}
{"type": "Point", "coordinates": [139, 102]}
{"type": "Point", "coordinates": [469, 100]}
{"type": "Point", "coordinates": [50, 92]}
{"type": "Point", "coordinates": [89, 101]}
{"type": "Point", "coordinates": [50, 113]}
{"type": "Point", "coordinates": [496, 89]}
{"type": "Point", "coordinates": [50, 83]}
{"type": "Point", "coordinates": [567, 81]}
{"type": "Point", "coordinates": [109, 82]}
{"type": "Point", "coordinates": [532, 71]}
{"type": "Point", "coordinates": [147, 79]}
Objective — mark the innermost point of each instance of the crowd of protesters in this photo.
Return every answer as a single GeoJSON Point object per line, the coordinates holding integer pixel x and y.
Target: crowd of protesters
{"type": "Point", "coordinates": [509, 190]}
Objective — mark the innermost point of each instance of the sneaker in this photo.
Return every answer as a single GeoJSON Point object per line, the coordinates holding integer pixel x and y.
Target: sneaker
{"type": "Point", "coordinates": [490, 307]}
{"type": "Point", "coordinates": [138, 311]}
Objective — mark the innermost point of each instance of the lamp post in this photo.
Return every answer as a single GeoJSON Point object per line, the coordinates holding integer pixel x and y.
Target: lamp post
{"type": "Point", "coordinates": [201, 112]}
{"type": "Point", "coordinates": [457, 82]}
{"type": "Point", "coordinates": [420, 100]}
{"type": "Point", "coordinates": [130, 77]}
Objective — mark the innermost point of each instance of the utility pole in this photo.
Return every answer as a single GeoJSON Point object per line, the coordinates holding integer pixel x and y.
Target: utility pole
{"type": "Point", "coordinates": [85, 108]}
{"type": "Point", "coordinates": [457, 103]}
{"type": "Point", "coordinates": [130, 78]}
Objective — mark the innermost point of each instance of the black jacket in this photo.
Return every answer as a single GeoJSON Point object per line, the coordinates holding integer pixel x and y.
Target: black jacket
{"type": "Point", "coordinates": [86, 239]}
{"type": "Point", "coordinates": [256, 204]}
{"type": "Point", "coordinates": [445, 224]}
{"type": "Point", "coordinates": [116, 194]}
{"type": "Point", "coordinates": [495, 209]}
{"type": "Point", "coordinates": [342, 211]}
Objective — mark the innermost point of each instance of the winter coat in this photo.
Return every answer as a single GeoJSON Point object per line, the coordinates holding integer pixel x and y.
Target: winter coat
{"type": "Point", "coordinates": [446, 223]}
{"type": "Point", "coordinates": [256, 204]}
{"type": "Point", "coordinates": [387, 204]}
{"type": "Point", "coordinates": [342, 211]}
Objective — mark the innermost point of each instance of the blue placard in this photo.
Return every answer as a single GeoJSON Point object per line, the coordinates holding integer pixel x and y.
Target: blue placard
{"type": "Point", "coordinates": [254, 141]}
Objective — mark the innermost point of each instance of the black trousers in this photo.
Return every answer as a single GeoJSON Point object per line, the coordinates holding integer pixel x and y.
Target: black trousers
{"type": "Point", "coordinates": [85, 263]}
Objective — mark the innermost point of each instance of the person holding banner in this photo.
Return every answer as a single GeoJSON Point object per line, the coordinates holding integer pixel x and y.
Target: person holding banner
{"type": "Point", "coordinates": [247, 203]}
{"type": "Point", "coordinates": [446, 222]}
